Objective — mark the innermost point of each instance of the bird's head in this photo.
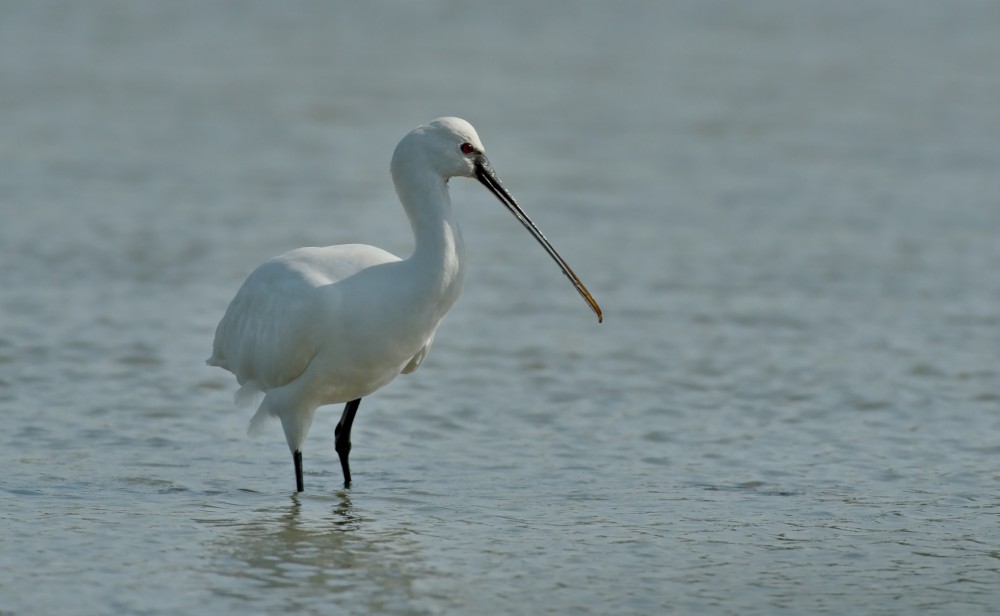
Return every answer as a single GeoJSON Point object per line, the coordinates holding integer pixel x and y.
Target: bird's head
{"type": "Point", "coordinates": [448, 146]}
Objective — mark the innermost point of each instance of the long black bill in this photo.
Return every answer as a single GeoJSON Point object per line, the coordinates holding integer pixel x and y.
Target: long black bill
{"type": "Point", "coordinates": [489, 179]}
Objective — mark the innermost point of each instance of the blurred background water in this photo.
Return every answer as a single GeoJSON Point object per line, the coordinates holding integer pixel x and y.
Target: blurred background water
{"type": "Point", "coordinates": [789, 211]}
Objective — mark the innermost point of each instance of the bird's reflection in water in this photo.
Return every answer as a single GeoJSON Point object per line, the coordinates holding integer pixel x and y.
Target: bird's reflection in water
{"type": "Point", "coordinates": [319, 556]}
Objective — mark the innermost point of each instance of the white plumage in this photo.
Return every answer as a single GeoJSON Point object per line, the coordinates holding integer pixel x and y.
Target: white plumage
{"type": "Point", "coordinates": [320, 326]}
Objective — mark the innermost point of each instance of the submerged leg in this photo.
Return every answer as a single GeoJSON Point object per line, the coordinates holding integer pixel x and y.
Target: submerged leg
{"type": "Point", "coordinates": [342, 438]}
{"type": "Point", "coordinates": [297, 458]}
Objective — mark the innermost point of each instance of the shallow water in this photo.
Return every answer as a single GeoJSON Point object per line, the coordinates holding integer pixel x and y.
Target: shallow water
{"type": "Point", "coordinates": [788, 210]}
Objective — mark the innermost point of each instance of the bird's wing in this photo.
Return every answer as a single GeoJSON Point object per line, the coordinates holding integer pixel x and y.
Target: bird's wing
{"type": "Point", "coordinates": [270, 331]}
{"type": "Point", "coordinates": [264, 336]}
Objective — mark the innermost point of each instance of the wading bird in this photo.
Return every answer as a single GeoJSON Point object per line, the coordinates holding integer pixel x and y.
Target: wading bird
{"type": "Point", "coordinates": [320, 326]}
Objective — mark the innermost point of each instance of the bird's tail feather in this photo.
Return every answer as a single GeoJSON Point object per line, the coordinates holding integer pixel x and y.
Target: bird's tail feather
{"type": "Point", "coordinates": [247, 395]}
{"type": "Point", "coordinates": [259, 419]}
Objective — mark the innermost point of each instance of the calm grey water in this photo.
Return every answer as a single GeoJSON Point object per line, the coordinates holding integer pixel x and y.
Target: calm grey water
{"type": "Point", "coordinates": [789, 211]}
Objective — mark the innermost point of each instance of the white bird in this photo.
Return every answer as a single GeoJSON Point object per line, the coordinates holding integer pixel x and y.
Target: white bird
{"type": "Point", "coordinates": [320, 326]}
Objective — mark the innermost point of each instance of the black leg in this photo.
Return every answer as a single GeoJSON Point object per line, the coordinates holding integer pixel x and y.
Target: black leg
{"type": "Point", "coordinates": [342, 438]}
{"type": "Point", "coordinates": [297, 458]}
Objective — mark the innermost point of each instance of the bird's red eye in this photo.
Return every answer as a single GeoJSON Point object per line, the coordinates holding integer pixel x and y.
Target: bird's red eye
{"type": "Point", "coordinates": [467, 148]}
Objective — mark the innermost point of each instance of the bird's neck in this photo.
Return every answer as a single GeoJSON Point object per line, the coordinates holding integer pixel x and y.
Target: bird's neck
{"type": "Point", "coordinates": [438, 254]}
